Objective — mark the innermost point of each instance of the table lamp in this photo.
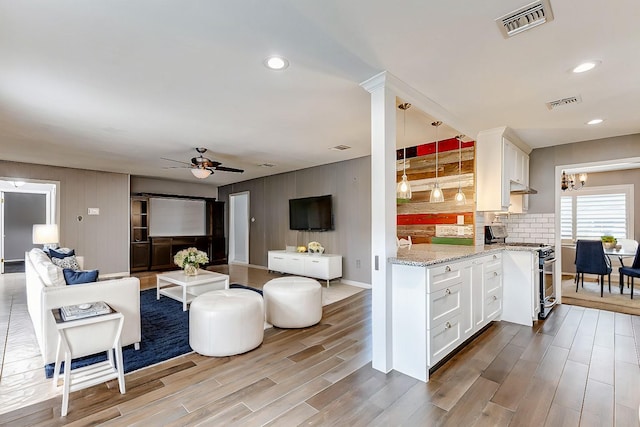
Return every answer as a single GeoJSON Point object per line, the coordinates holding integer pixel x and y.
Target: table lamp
{"type": "Point", "coordinates": [46, 235]}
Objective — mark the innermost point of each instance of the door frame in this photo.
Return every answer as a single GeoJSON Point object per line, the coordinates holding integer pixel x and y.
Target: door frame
{"type": "Point", "coordinates": [32, 186]}
{"type": "Point", "coordinates": [233, 223]}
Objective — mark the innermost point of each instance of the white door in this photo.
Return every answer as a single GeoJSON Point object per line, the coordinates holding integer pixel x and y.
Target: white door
{"type": "Point", "coordinates": [239, 228]}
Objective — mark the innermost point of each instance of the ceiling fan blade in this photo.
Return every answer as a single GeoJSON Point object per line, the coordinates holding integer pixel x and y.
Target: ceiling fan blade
{"type": "Point", "coordinates": [226, 169]}
{"type": "Point", "coordinates": [176, 167]}
{"type": "Point", "coordinates": [177, 161]}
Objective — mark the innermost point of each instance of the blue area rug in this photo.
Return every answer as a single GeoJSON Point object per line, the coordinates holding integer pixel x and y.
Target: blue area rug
{"type": "Point", "coordinates": [239, 286]}
{"type": "Point", "coordinates": [165, 334]}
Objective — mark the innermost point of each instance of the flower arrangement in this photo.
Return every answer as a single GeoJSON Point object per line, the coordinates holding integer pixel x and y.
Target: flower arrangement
{"type": "Point", "coordinates": [315, 248]}
{"type": "Point", "coordinates": [190, 260]}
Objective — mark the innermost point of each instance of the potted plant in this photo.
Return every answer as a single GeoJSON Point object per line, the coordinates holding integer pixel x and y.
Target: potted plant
{"type": "Point", "coordinates": [608, 241]}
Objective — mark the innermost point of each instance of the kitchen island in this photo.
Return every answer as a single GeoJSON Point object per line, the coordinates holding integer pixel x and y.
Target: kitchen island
{"type": "Point", "coordinates": [445, 295]}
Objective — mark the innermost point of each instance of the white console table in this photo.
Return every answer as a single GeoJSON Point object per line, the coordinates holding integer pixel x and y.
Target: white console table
{"type": "Point", "coordinates": [326, 266]}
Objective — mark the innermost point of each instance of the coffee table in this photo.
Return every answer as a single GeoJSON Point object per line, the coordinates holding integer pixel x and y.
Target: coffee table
{"type": "Point", "coordinates": [183, 288]}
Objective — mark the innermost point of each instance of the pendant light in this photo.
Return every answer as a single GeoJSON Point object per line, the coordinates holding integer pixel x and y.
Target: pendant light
{"type": "Point", "coordinates": [403, 190]}
{"type": "Point", "coordinates": [436, 195]}
{"type": "Point", "coordinates": [460, 198]}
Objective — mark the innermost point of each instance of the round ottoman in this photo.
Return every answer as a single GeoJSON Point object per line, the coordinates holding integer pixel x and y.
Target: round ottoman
{"type": "Point", "coordinates": [226, 322]}
{"type": "Point", "coordinates": [293, 302]}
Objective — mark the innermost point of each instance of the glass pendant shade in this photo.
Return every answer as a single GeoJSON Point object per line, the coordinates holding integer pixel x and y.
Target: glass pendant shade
{"type": "Point", "coordinates": [436, 195]}
{"type": "Point", "coordinates": [460, 198]}
{"type": "Point", "coordinates": [403, 189]}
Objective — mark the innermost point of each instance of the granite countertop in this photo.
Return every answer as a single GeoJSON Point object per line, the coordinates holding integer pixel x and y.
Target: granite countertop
{"type": "Point", "coordinates": [424, 255]}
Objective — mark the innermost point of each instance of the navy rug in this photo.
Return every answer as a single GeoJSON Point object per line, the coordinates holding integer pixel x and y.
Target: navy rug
{"type": "Point", "coordinates": [165, 334]}
{"type": "Point", "coordinates": [239, 286]}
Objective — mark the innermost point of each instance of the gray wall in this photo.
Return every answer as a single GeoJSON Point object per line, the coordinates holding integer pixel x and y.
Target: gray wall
{"type": "Point", "coordinates": [542, 163]}
{"type": "Point", "coordinates": [103, 239]}
{"type": "Point", "coordinates": [349, 183]}
{"type": "Point", "coordinates": [21, 211]}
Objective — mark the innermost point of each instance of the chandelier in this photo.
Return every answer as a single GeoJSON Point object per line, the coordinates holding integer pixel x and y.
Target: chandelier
{"type": "Point", "coordinates": [569, 181]}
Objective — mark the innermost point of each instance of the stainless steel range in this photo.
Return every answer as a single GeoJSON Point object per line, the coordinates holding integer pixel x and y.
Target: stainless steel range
{"type": "Point", "coordinates": [545, 267]}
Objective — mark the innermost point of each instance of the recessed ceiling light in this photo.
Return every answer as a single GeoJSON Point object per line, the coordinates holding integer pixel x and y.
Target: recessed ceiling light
{"type": "Point", "coordinates": [276, 63]}
{"type": "Point", "coordinates": [595, 121]}
{"type": "Point", "coordinates": [586, 66]}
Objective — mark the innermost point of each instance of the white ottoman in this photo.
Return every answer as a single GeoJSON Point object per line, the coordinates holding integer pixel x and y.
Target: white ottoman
{"type": "Point", "coordinates": [293, 302]}
{"type": "Point", "coordinates": [226, 322]}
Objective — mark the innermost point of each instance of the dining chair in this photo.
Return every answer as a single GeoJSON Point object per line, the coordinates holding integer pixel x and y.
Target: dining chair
{"type": "Point", "coordinates": [591, 259]}
{"type": "Point", "coordinates": [633, 271]}
{"type": "Point", "coordinates": [627, 246]}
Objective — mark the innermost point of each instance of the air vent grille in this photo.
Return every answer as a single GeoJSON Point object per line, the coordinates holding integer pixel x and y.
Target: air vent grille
{"type": "Point", "coordinates": [340, 147]}
{"type": "Point", "coordinates": [525, 18]}
{"type": "Point", "coordinates": [564, 101]}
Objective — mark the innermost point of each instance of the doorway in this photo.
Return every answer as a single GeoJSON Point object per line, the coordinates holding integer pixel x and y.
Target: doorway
{"type": "Point", "coordinates": [239, 228]}
{"type": "Point", "coordinates": [23, 204]}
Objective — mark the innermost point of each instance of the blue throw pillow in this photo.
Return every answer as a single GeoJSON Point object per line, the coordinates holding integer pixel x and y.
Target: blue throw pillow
{"type": "Point", "coordinates": [57, 253]}
{"type": "Point", "coordinates": [75, 277]}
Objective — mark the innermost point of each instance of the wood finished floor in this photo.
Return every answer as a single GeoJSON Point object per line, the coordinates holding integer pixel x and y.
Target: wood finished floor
{"type": "Point", "coordinates": [579, 367]}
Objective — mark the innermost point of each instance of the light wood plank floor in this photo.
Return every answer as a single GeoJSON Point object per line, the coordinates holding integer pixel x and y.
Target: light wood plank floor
{"type": "Point", "coordinates": [578, 367]}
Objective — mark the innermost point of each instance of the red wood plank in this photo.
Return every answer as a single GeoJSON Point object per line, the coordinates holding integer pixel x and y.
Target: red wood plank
{"type": "Point", "coordinates": [444, 145]}
{"type": "Point", "coordinates": [445, 218]}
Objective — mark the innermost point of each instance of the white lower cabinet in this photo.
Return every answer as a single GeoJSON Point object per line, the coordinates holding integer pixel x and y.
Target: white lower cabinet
{"type": "Point", "coordinates": [435, 309]}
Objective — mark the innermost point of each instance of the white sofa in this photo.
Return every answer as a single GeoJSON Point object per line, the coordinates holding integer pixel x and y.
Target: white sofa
{"type": "Point", "coordinates": [45, 292]}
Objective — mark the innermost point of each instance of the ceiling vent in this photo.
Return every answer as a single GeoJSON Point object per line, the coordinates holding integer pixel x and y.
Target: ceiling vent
{"type": "Point", "coordinates": [525, 18]}
{"type": "Point", "coordinates": [564, 101]}
{"type": "Point", "coordinates": [340, 147]}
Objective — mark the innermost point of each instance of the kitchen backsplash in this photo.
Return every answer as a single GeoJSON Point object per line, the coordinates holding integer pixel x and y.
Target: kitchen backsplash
{"type": "Point", "coordinates": [530, 228]}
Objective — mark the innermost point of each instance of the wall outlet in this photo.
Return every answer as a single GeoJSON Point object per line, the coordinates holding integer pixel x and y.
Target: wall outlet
{"type": "Point", "coordinates": [93, 211]}
{"type": "Point", "coordinates": [357, 263]}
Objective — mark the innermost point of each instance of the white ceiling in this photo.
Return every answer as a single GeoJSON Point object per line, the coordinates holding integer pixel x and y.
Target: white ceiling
{"type": "Point", "coordinates": [115, 85]}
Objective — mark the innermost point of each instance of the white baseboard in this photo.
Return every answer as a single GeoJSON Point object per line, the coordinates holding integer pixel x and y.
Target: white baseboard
{"type": "Point", "coordinates": [357, 284]}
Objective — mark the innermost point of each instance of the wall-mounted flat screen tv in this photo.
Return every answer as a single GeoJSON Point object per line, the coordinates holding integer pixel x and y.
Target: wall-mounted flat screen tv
{"type": "Point", "coordinates": [311, 213]}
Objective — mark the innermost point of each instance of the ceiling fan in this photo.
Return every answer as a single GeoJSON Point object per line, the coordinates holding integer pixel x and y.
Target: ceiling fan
{"type": "Point", "coordinates": [201, 167]}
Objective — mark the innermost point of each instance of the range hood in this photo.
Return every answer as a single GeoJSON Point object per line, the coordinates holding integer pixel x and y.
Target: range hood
{"type": "Point", "coordinates": [521, 189]}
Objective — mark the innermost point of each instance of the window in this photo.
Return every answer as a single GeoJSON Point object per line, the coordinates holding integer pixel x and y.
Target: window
{"type": "Point", "coordinates": [594, 212]}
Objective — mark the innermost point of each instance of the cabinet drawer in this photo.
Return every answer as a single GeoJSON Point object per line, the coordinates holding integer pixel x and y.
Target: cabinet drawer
{"type": "Point", "coordinates": [443, 338]}
{"type": "Point", "coordinates": [444, 303]}
{"type": "Point", "coordinates": [295, 265]}
{"type": "Point", "coordinates": [277, 263]}
{"type": "Point", "coordinates": [493, 303]}
{"type": "Point", "coordinates": [493, 262]}
{"type": "Point", "coordinates": [315, 266]}
{"type": "Point", "coordinates": [444, 276]}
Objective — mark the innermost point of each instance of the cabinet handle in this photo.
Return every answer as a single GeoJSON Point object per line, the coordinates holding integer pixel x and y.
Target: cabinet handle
{"type": "Point", "coordinates": [447, 325]}
{"type": "Point", "coordinates": [495, 273]}
{"type": "Point", "coordinates": [495, 298]}
{"type": "Point", "coordinates": [447, 268]}
{"type": "Point", "coordinates": [447, 291]}
{"type": "Point", "coordinates": [495, 256]}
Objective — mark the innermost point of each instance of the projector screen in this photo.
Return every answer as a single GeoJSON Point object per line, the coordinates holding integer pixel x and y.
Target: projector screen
{"type": "Point", "coordinates": [176, 217]}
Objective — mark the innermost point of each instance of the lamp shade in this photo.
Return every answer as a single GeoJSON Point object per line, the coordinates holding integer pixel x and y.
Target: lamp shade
{"type": "Point", "coordinates": [200, 173]}
{"type": "Point", "coordinates": [44, 234]}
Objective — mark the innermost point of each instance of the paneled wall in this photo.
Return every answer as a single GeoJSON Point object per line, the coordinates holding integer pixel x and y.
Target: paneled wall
{"type": "Point", "coordinates": [436, 222]}
{"type": "Point", "coordinates": [349, 183]}
{"type": "Point", "coordinates": [102, 239]}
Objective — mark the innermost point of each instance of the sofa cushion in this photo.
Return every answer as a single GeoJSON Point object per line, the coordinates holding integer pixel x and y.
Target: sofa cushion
{"type": "Point", "coordinates": [50, 274]}
{"type": "Point", "coordinates": [76, 277]}
{"type": "Point", "coordinates": [37, 255]}
{"type": "Point", "coordinates": [61, 252]}
{"type": "Point", "coordinates": [67, 262]}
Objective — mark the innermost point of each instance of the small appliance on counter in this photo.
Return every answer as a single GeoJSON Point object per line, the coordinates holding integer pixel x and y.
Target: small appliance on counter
{"type": "Point", "coordinates": [494, 234]}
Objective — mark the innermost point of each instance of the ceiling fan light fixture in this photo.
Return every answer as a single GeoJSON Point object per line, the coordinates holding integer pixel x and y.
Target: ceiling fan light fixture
{"type": "Point", "coordinates": [200, 173]}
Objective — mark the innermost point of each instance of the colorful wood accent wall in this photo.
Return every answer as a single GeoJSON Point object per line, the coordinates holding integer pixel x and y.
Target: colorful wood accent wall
{"type": "Point", "coordinates": [436, 222]}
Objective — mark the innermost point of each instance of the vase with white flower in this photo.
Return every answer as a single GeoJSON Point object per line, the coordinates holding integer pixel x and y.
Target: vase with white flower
{"type": "Point", "coordinates": [190, 260]}
{"type": "Point", "coordinates": [315, 248]}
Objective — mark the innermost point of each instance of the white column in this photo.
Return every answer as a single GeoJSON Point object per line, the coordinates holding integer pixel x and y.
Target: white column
{"type": "Point", "coordinates": [383, 216]}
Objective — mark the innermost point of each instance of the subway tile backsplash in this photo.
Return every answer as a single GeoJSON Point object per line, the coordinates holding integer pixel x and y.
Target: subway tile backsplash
{"type": "Point", "coordinates": [530, 228]}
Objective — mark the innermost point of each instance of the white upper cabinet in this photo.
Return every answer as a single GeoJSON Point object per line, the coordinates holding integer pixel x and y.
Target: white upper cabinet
{"type": "Point", "coordinates": [502, 165]}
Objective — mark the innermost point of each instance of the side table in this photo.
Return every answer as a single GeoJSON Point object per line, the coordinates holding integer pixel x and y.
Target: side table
{"type": "Point", "coordinates": [83, 337]}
